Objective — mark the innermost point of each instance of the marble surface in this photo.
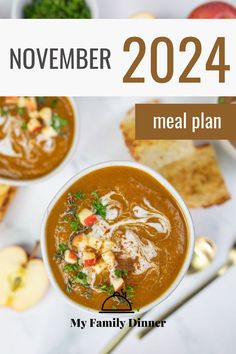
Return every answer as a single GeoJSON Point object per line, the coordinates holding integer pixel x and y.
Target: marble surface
{"type": "Point", "coordinates": [205, 325]}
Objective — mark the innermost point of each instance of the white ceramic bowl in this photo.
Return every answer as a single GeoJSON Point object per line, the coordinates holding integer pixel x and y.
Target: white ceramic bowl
{"type": "Point", "coordinates": [229, 148]}
{"type": "Point", "coordinates": [74, 145]}
{"type": "Point", "coordinates": [17, 8]}
{"type": "Point", "coordinates": [167, 186]}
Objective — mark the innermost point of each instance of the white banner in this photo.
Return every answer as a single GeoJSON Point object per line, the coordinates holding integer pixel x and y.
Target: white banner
{"type": "Point", "coordinates": [87, 57]}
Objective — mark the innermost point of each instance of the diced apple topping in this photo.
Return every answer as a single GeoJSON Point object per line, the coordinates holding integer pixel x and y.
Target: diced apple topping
{"type": "Point", "coordinates": [89, 258]}
{"type": "Point", "coordinates": [117, 283]}
{"type": "Point", "coordinates": [34, 115]}
{"type": "Point", "coordinates": [21, 102]}
{"type": "Point", "coordinates": [99, 267]}
{"type": "Point", "coordinates": [107, 245]}
{"type": "Point", "coordinates": [48, 133]}
{"type": "Point", "coordinates": [87, 218]}
{"type": "Point", "coordinates": [80, 241]}
{"type": "Point", "coordinates": [34, 125]}
{"type": "Point", "coordinates": [94, 242]}
{"type": "Point", "coordinates": [109, 259]}
{"type": "Point", "coordinates": [30, 104]}
{"type": "Point", "coordinates": [70, 257]}
{"type": "Point", "coordinates": [46, 114]}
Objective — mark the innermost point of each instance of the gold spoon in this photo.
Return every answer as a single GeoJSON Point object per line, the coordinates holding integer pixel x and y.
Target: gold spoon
{"type": "Point", "coordinates": [231, 261]}
{"type": "Point", "coordinates": [204, 253]}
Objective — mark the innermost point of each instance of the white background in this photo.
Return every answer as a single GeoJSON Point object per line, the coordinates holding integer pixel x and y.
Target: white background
{"type": "Point", "coordinates": [206, 325]}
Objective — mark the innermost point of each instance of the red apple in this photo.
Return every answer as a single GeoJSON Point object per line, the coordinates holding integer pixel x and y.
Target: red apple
{"type": "Point", "coordinates": [214, 10]}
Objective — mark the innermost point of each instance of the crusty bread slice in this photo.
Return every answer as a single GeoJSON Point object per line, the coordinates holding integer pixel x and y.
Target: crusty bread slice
{"type": "Point", "coordinates": [193, 171]}
{"type": "Point", "coordinates": [198, 178]}
{"type": "Point", "coordinates": [154, 153]}
{"type": "Point", "coordinates": [6, 195]}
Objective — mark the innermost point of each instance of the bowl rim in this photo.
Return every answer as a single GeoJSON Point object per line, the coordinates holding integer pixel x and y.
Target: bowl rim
{"type": "Point", "coordinates": [170, 189]}
{"type": "Point", "coordinates": [17, 7]}
{"type": "Point", "coordinates": [64, 162]}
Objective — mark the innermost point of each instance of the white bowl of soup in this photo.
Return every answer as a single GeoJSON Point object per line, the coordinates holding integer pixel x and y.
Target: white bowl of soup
{"type": "Point", "coordinates": [18, 8]}
{"type": "Point", "coordinates": [117, 231]}
{"type": "Point", "coordinates": [38, 136]}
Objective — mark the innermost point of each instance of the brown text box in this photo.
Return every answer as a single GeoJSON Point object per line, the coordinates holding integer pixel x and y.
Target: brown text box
{"type": "Point", "coordinates": [199, 121]}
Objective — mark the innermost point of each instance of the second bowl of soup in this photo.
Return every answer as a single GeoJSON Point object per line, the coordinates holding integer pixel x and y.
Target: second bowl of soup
{"type": "Point", "coordinates": [37, 137]}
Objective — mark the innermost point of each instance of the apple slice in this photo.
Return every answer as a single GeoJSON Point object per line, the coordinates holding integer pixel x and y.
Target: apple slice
{"type": "Point", "coordinates": [215, 9]}
{"type": "Point", "coordinates": [23, 280]}
{"type": "Point", "coordinates": [117, 283]}
{"type": "Point", "coordinates": [89, 258]}
{"type": "Point", "coordinates": [109, 259]}
{"type": "Point", "coordinates": [87, 218]}
{"type": "Point", "coordinates": [99, 267]}
{"type": "Point", "coordinates": [70, 257]}
{"type": "Point", "coordinates": [80, 241]}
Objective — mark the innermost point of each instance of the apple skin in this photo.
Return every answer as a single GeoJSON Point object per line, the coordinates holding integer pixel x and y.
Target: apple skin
{"type": "Point", "coordinates": [214, 10]}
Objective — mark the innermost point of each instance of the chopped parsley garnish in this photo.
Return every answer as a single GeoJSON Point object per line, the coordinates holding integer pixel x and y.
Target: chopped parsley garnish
{"type": "Point", "coordinates": [81, 278]}
{"type": "Point", "coordinates": [4, 111]}
{"type": "Point", "coordinates": [114, 307]}
{"type": "Point", "coordinates": [79, 195]}
{"type": "Point", "coordinates": [62, 247]}
{"type": "Point", "coordinates": [74, 225]}
{"type": "Point", "coordinates": [54, 102]}
{"type": "Point", "coordinates": [106, 288]}
{"type": "Point", "coordinates": [72, 267]}
{"type": "Point", "coordinates": [121, 273]}
{"type": "Point", "coordinates": [130, 292]}
{"type": "Point", "coordinates": [24, 126]}
{"type": "Point", "coordinates": [97, 205]}
{"type": "Point", "coordinates": [58, 123]}
{"type": "Point", "coordinates": [51, 9]}
{"type": "Point", "coordinates": [21, 111]}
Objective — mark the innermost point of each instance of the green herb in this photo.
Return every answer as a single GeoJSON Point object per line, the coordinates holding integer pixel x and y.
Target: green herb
{"type": "Point", "coordinates": [221, 100]}
{"type": "Point", "coordinates": [21, 111]}
{"type": "Point", "coordinates": [114, 307]}
{"type": "Point", "coordinates": [74, 225]}
{"type": "Point", "coordinates": [4, 111]}
{"type": "Point", "coordinates": [24, 126]}
{"type": "Point", "coordinates": [79, 195]}
{"type": "Point", "coordinates": [40, 100]}
{"type": "Point", "coordinates": [62, 247]}
{"type": "Point", "coordinates": [54, 102]}
{"type": "Point", "coordinates": [95, 195]}
{"type": "Point", "coordinates": [97, 205]}
{"type": "Point", "coordinates": [81, 278]}
{"type": "Point", "coordinates": [72, 267]}
{"type": "Point", "coordinates": [130, 292]}
{"type": "Point", "coordinates": [58, 123]}
{"type": "Point", "coordinates": [106, 288]}
{"type": "Point", "coordinates": [57, 9]}
{"type": "Point", "coordinates": [69, 286]}
{"type": "Point", "coordinates": [121, 273]}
